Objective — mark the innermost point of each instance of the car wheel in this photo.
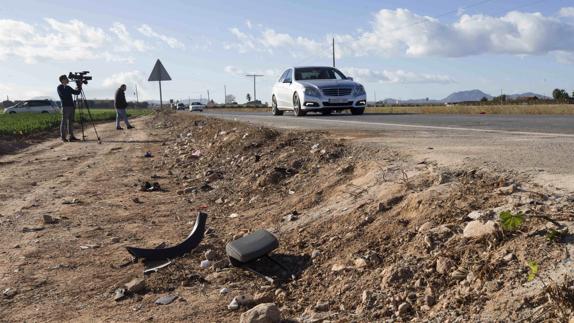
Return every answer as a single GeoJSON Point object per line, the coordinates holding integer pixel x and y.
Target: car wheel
{"type": "Point", "coordinates": [326, 112]}
{"type": "Point", "coordinates": [274, 108]}
{"type": "Point", "coordinates": [11, 112]}
{"type": "Point", "coordinates": [357, 111]}
{"type": "Point", "coordinates": [297, 106]}
{"type": "Point", "coordinates": [45, 112]}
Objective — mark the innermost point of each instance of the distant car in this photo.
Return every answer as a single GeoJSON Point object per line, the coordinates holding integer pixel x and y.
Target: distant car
{"type": "Point", "coordinates": [197, 106]}
{"type": "Point", "coordinates": [317, 88]}
{"type": "Point", "coordinates": [34, 106]}
{"type": "Point", "coordinates": [180, 106]}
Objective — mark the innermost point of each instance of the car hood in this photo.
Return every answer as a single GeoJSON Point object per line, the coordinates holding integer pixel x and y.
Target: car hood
{"type": "Point", "coordinates": [328, 83]}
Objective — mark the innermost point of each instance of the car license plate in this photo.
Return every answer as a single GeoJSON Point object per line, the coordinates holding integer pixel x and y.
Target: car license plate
{"type": "Point", "coordinates": [337, 100]}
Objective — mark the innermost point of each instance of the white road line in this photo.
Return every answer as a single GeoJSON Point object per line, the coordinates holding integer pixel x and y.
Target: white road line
{"type": "Point", "coordinates": [545, 134]}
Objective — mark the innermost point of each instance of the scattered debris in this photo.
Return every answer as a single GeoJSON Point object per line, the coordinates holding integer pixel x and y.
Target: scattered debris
{"type": "Point", "coordinates": [477, 229]}
{"type": "Point", "coordinates": [72, 201]}
{"type": "Point", "coordinates": [48, 219]}
{"type": "Point", "coordinates": [119, 294]}
{"type": "Point", "coordinates": [223, 291]}
{"type": "Point", "coordinates": [148, 154]}
{"type": "Point", "coordinates": [150, 187]}
{"type": "Point", "coordinates": [233, 305]}
{"type": "Point", "coordinates": [9, 293]}
{"type": "Point", "coordinates": [205, 264]}
{"type": "Point", "coordinates": [136, 285]}
{"type": "Point", "coordinates": [32, 229]}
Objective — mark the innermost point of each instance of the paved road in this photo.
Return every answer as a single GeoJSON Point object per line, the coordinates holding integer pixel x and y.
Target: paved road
{"type": "Point", "coordinates": [534, 125]}
{"type": "Point", "coordinates": [539, 146]}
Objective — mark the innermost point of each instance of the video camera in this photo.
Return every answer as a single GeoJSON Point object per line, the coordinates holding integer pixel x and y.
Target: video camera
{"type": "Point", "coordinates": [80, 77]}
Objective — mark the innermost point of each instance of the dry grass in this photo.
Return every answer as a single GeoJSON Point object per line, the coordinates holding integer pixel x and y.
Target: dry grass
{"type": "Point", "coordinates": [559, 109]}
{"type": "Point", "coordinates": [541, 109]}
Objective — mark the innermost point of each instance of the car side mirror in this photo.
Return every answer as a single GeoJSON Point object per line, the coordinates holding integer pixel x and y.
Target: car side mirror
{"type": "Point", "coordinates": [349, 78]}
{"type": "Point", "coordinates": [287, 81]}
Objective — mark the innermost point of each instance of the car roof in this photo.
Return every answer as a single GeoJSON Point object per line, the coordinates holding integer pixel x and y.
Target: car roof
{"type": "Point", "coordinates": [314, 67]}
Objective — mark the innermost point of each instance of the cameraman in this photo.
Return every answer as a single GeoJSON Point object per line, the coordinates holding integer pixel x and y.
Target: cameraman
{"type": "Point", "coordinates": [68, 108]}
{"type": "Point", "coordinates": [121, 104]}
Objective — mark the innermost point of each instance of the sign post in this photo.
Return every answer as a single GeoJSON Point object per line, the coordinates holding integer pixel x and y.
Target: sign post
{"type": "Point", "coordinates": [159, 74]}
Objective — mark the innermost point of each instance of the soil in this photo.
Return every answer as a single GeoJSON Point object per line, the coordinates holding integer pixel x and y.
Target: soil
{"type": "Point", "coordinates": [369, 233]}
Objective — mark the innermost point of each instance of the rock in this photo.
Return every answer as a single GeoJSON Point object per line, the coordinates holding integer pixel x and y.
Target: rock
{"type": "Point", "coordinates": [244, 300]}
{"type": "Point", "coordinates": [188, 190]}
{"type": "Point", "coordinates": [219, 201]}
{"type": "Point", "coordinates": [233, 305]}
{"type": "Point", "coordinates": [366, 297]}
{"type": "Point", "coordinates": [508, 257]}
{"type": "Point", "coordinates": [443, 265]}
{"type": "Point", "coordinates": [475, 215]}
{"type": "Point", "coordinates": [9, 293]}
{"type": "Point", "coordinates": [459, 274]}
{"type": "Point", "coordinates": [315, 254]}
{"type": "Point", "coordinates": [136, 285]}
{"type": "Point", "coordinates": [429, 300]}
{"type": "Point", "coordinates": [48, 219]}
{"type": "Point", "coordinates": [425, 227]}
{"type": "Point", "coordinates": [119, 294]}
{"type": "Point", "coordinates": [395, 275]}
{"type": "Point", "coordinates": [507, 190]}
{"type": "Point", "coordinates": [291, 217]}
{"type": "Point", "coordinates": [338, 267]}
{"type": "Point", "coordinates": [262, 313]}
{"type": "Point", "coordinates": [360, 263]}
{"type": "Point", "coordinates": [234, 215]}
{"type": "Point", "coordinates": [404, 309]}
{"type": "Point", "coordinates": [210, 255]}
{"type": "Point", "coordinates": [321, 306]}
{"type": "Point", "coordinates": [223, 291]}
{"type": "Point", "coordinates": [165, 300]}
{"type": "Point", "coordinates": [205, 264]}
{"type": "Point", "coordinates": [115, 240]}
{"type": "Point", "coordinates": [477, 229]}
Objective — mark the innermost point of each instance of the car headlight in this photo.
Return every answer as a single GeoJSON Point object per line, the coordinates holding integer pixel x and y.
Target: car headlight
{"type": "Point", "coordinates": [311, 91]}
{"type": "Point", "coordinates": [359, 90]}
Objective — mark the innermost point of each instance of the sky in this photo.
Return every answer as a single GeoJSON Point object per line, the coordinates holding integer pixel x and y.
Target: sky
{"type": "Point", "coordinates": [397, 49]}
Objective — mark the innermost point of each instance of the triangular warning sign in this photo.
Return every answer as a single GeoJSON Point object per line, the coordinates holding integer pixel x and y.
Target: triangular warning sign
{"type": "Point", "coordinates": [159, 73]}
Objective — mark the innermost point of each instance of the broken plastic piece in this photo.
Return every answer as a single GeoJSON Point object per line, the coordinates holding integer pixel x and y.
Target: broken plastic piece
{"type": "Point", "coordinates": [192, 241]}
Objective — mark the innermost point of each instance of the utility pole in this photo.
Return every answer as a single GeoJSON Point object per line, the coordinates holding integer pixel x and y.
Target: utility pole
{"type": "Point", "coordinates": [255, 76]}
{"type": "Point", "coordinates": [333, 51]}
{"type": "Point", "coordinates": [224, 94]}
{"type": "Point", "coordinates": [137, 96]}
{"type": "Point", "coordinates": [207, 96]}
{"type": "Point", "coordinates": [375, 95]}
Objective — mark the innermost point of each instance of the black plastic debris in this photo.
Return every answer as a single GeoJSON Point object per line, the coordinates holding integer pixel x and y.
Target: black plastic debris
{"type": "Point", "coordinates": [191, 242]}
{"type": "Point", "coordinates": [150, 187]}
{"type": "Point", "coordinates": [148, 154]}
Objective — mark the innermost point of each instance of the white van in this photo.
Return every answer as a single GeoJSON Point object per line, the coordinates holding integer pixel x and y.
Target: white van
{"type": "Point", "coordinates": [34, 106]}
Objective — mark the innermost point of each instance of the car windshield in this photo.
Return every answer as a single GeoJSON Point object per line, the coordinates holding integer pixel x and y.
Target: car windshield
{"type": "Point", "coordinates": [318, 73]}
{"type": "Point", "coordinates": [195, 103]}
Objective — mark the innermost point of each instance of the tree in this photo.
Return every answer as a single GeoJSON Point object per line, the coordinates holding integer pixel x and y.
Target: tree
{"type": "Point", "coordinates": [230, 98]}
{"type": "Point", "coordinates": [484, 99]}
{"type": "Point", "coordinates": [560, 95]}
{"type": "Point", "coordinates": [248, 97]}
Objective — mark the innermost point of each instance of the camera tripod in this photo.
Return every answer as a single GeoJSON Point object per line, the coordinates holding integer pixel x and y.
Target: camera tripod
{"type": "Point", "coordinates": [81, 104]}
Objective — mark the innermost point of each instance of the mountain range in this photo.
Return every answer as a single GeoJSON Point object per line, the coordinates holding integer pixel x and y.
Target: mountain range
{"type": "Point", "coordinates": [463, 96]}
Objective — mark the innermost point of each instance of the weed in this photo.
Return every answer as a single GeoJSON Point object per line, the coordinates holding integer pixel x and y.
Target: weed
{"type": "Point", "coordinates": [533, 270]}
{"type": "Point", "coordinates": [510, 221]}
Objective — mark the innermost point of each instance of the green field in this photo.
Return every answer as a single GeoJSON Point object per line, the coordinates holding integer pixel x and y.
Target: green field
{"type": "Point", "coordinates": [26, 123]}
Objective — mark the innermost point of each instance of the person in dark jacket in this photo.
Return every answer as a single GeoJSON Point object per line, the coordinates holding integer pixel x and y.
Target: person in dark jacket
{"type": "Point", "coordinates": [121, 104]}
{"type": "Point", "coordinates": [68, 108]}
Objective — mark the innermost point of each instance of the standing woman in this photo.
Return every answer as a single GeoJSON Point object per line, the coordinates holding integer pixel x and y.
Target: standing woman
{"type": "Point", "coordinates": [121, 104]}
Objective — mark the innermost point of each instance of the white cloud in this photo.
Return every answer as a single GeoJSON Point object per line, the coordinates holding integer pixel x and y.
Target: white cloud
{"type": "Point", "coordinates": [248, 24]}
{"type": "Point", "coordinates": [170, 41]}
{"type": "Point", "coordinates": [236, 71]}
{"type": "Point", "coordinates": [401, 32]}
{"type": "Point", "coordinates": [397, 76]}
{"type": "Point", "coordinates": [131, 79]}
{"type": "Point", "coordinates": [567, 12]}
{"type": "Point", "coordinates": [126, 42]}
{"type": "Point", "coordinates": [69, 41]}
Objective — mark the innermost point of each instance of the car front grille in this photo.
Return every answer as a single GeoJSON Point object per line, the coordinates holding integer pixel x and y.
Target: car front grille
{"type": "Point", "coordinates": [344, 104]}
{"type": "Point", "coordinates": [337, 91]}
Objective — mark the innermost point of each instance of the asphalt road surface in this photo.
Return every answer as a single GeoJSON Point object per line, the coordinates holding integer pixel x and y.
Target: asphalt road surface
{"type": "Point", "coordinates": [540, 146]}
{"type": "Point", "coordinates": [527, 124]}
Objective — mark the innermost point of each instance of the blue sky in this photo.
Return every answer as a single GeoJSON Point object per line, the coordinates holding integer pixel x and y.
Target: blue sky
{"type": "Point", "coordinates": [399, 49]}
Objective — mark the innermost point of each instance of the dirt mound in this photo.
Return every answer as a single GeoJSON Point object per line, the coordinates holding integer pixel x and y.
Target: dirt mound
{"type": "Point", "coordinates": [370, 234]}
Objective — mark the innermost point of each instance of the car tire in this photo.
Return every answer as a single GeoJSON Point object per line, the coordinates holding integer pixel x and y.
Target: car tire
{"type": "Point", "coordinates": [45, 112]}
{"type": "Point", "coordinates": [11, 112]}
{"type": "Point", "coordinates": [357, 111]}
{"type": "Point", "coordinates": [297, 111]}
{"type": "Point", "coordinates": [274, 108]}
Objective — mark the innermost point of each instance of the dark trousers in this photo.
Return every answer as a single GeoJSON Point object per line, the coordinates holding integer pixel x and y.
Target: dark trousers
{"type": "Point", "coordinates": [67, 124]}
